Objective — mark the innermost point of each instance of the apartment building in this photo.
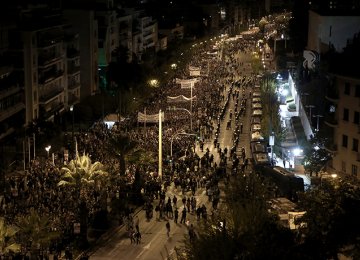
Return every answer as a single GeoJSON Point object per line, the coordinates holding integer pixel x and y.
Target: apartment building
{"type": "Point", "coordinates": [343, 120]}
{"type": "Point", "coordinates": [144, 31]}
{"type": "Point", "coordinates": [108, 39]}
{"type": "Point", "coordinates": [125, 33]}
{"type": "Point", "coordinates": [72, 81]}
{"type": "Point", "coordinates": [331, 29]}
{"type": "Point", "coordinates": [12, 101]}
{"type": "Point", "coordinates": [39, 55]}
{"type": "Point", "coordinates": [85, 25]}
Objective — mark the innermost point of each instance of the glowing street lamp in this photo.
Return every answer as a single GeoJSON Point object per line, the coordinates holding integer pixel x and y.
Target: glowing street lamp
{"type": "Point", "coordinates": [47, 149]}
{"type": "Point", "coordinates": [154, 83]}
{"type": "Point", "coordinates": [297, 151]}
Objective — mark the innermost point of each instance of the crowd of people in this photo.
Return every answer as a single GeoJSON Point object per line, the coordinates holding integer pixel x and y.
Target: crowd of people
{"type": "Point", "coordinates": [38, 188]}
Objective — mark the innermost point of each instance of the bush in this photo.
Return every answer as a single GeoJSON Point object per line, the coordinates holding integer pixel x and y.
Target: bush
{"type": "Point", "coordinates": [292, 107]}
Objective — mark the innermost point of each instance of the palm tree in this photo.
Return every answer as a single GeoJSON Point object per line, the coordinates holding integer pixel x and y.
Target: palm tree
{"type": "Point", "coordinates": [121, 145]}
{"type": "Point", "coordinates": [7, 238]}
{"type": "Point", "coordinates": [37, 230]}
{"type": "Point", "coordinates": [81, 172]}
{"type": "Point", "coordinates": [85, 178]}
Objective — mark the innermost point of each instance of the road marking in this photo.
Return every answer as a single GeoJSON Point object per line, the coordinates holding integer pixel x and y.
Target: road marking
{"type": "Point", "coordinates": [147, 246]}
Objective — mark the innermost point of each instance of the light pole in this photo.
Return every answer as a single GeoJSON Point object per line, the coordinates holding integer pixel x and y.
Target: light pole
{"type": "Point", "coordinates": [317, 121]}
{"type": "Point", "coordinates": [47, 149]}
{"type": "Point", "coordinates": [72, 129]}
{"type": "Point", "coordinates": [310, 107]}
{"type": "Point", "coordinates": [191, 104]}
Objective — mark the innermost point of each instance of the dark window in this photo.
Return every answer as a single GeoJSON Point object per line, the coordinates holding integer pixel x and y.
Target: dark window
{"type": "Point", "coordinates": [345, 141]}
{"type": "Point", "coordinates": [357, 91]}
{"type": "Point", "coordinates": [346, 114]}
{"type": "Point", "coordinates": [354, 170]}
{"type": "Point", "coordinates": [356, 117]}
{"type": "Point", "coordinates": [355, 146]}
{"type": "Point", "coordinates": [347, 88]}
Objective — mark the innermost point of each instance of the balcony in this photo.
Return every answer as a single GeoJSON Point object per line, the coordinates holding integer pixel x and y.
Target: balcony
{"type": "Point", "coordinates": [50, 38]}
{"type": "Point", "coordinates": [73, 86]}
{"type": "Point", "coordinates": [332, 98]}
{"type": "Point", "coordinates": [71, 70]}
{"type": "Point", "coordinates": [72, 53]}
{"type": "Point", "coordinates": [56, 107]}
{"type": "Point", "coordinates": [48, 60]}
{"type": "Point", "coordinates": [148, 25]}
{"type": "Point", "coordinates": [10, 111]}
{"type": "Point", "coordinates": [331, 121]}
{"type": "Point", "coordinates": [149, 44]}
{"type": "Point", "coordinates": [332, 95]}
{"type": "Point", "coordinates": [50, 95]}
{"type": "Point", "coordinates": [147, 35]}
{"type": "Point", "coordinates": [72, 100]}
{"type": "Point", "coordinates": [331, 147]}
{"type": "Point", "coordinates": [49, 76]}
{"type": "Point", "coordinates": [8, 91]}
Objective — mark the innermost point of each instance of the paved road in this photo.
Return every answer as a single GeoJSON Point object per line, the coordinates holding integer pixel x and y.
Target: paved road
{"type": "Point", "coordinates": [155, 244]}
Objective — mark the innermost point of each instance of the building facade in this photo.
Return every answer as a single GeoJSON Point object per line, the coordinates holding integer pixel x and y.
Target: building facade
{"type": "Point", "coordinates": [343, 119]}
{"type": "Point", "coordinates": [327, 31]}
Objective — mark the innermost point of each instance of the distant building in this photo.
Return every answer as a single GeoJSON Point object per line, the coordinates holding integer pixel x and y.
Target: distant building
{"type": "Point", "coordinates": [331, 30]}
{"type": "Point", "coordinates": [125, 33]}
{"type": "Point", "coordinates": [175, 32]}
{"type": "Point", "coordinates": [38, 52]}
{"type": "Point", "coordinates": [12, 96]}
{"type": "Point", "coordinates": [144, 31]}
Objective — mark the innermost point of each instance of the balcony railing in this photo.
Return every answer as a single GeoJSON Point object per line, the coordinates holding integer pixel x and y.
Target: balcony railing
{"type": "Point", "coordinates": [49, 38]}
{"type": "Point", "coordinates": [8, 91]}
{"type": "Point", "coordinates": [50, 76]}
{"type": "Point", "coordinates": [47, 97]}
{"type": "Point", "coordinates": [11, 111]}
{"type": "Point", "coordinates": [47, 60]}
{"type": "Point", "coordinates": [331, 147]}
{"type": "Point", "coordinates": [54, 108]}
{"type": "Point", "coordinates": [72, 53]}
{"type": "Point", "coordinates": [73, 69]}
{"type": "Point", "coordinates": [74, 86]}
{"type": "Point", "coordinates": [331, 121]}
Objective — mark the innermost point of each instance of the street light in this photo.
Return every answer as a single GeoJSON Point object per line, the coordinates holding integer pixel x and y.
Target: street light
{"type": "Point", "coordinates": [72, 130]}
{"type": "Point", "coordinates": [154, 83]}
{"type": "Point", "coordinates": [310, 107]}
{"type": "Point", "coordinates": [47, 149]}
{"type": "Point", "coordinates": [317, 121]}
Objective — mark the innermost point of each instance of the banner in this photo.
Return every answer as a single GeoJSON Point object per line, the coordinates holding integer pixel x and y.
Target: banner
{"type": "Point", "coordinates": [180, 98]}
{"type": "Point", "coordinates": [195, 73]}
{"type": "Point", "coordinates": [194, 68]}
{"type": "Point", "coordinates": [150, 118]}
{"type": "Point", "coordinates": [186, 81]}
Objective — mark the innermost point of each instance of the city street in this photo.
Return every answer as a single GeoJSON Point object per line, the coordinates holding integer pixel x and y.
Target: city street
{"type": "Point", "coordinates": [154, 243]}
